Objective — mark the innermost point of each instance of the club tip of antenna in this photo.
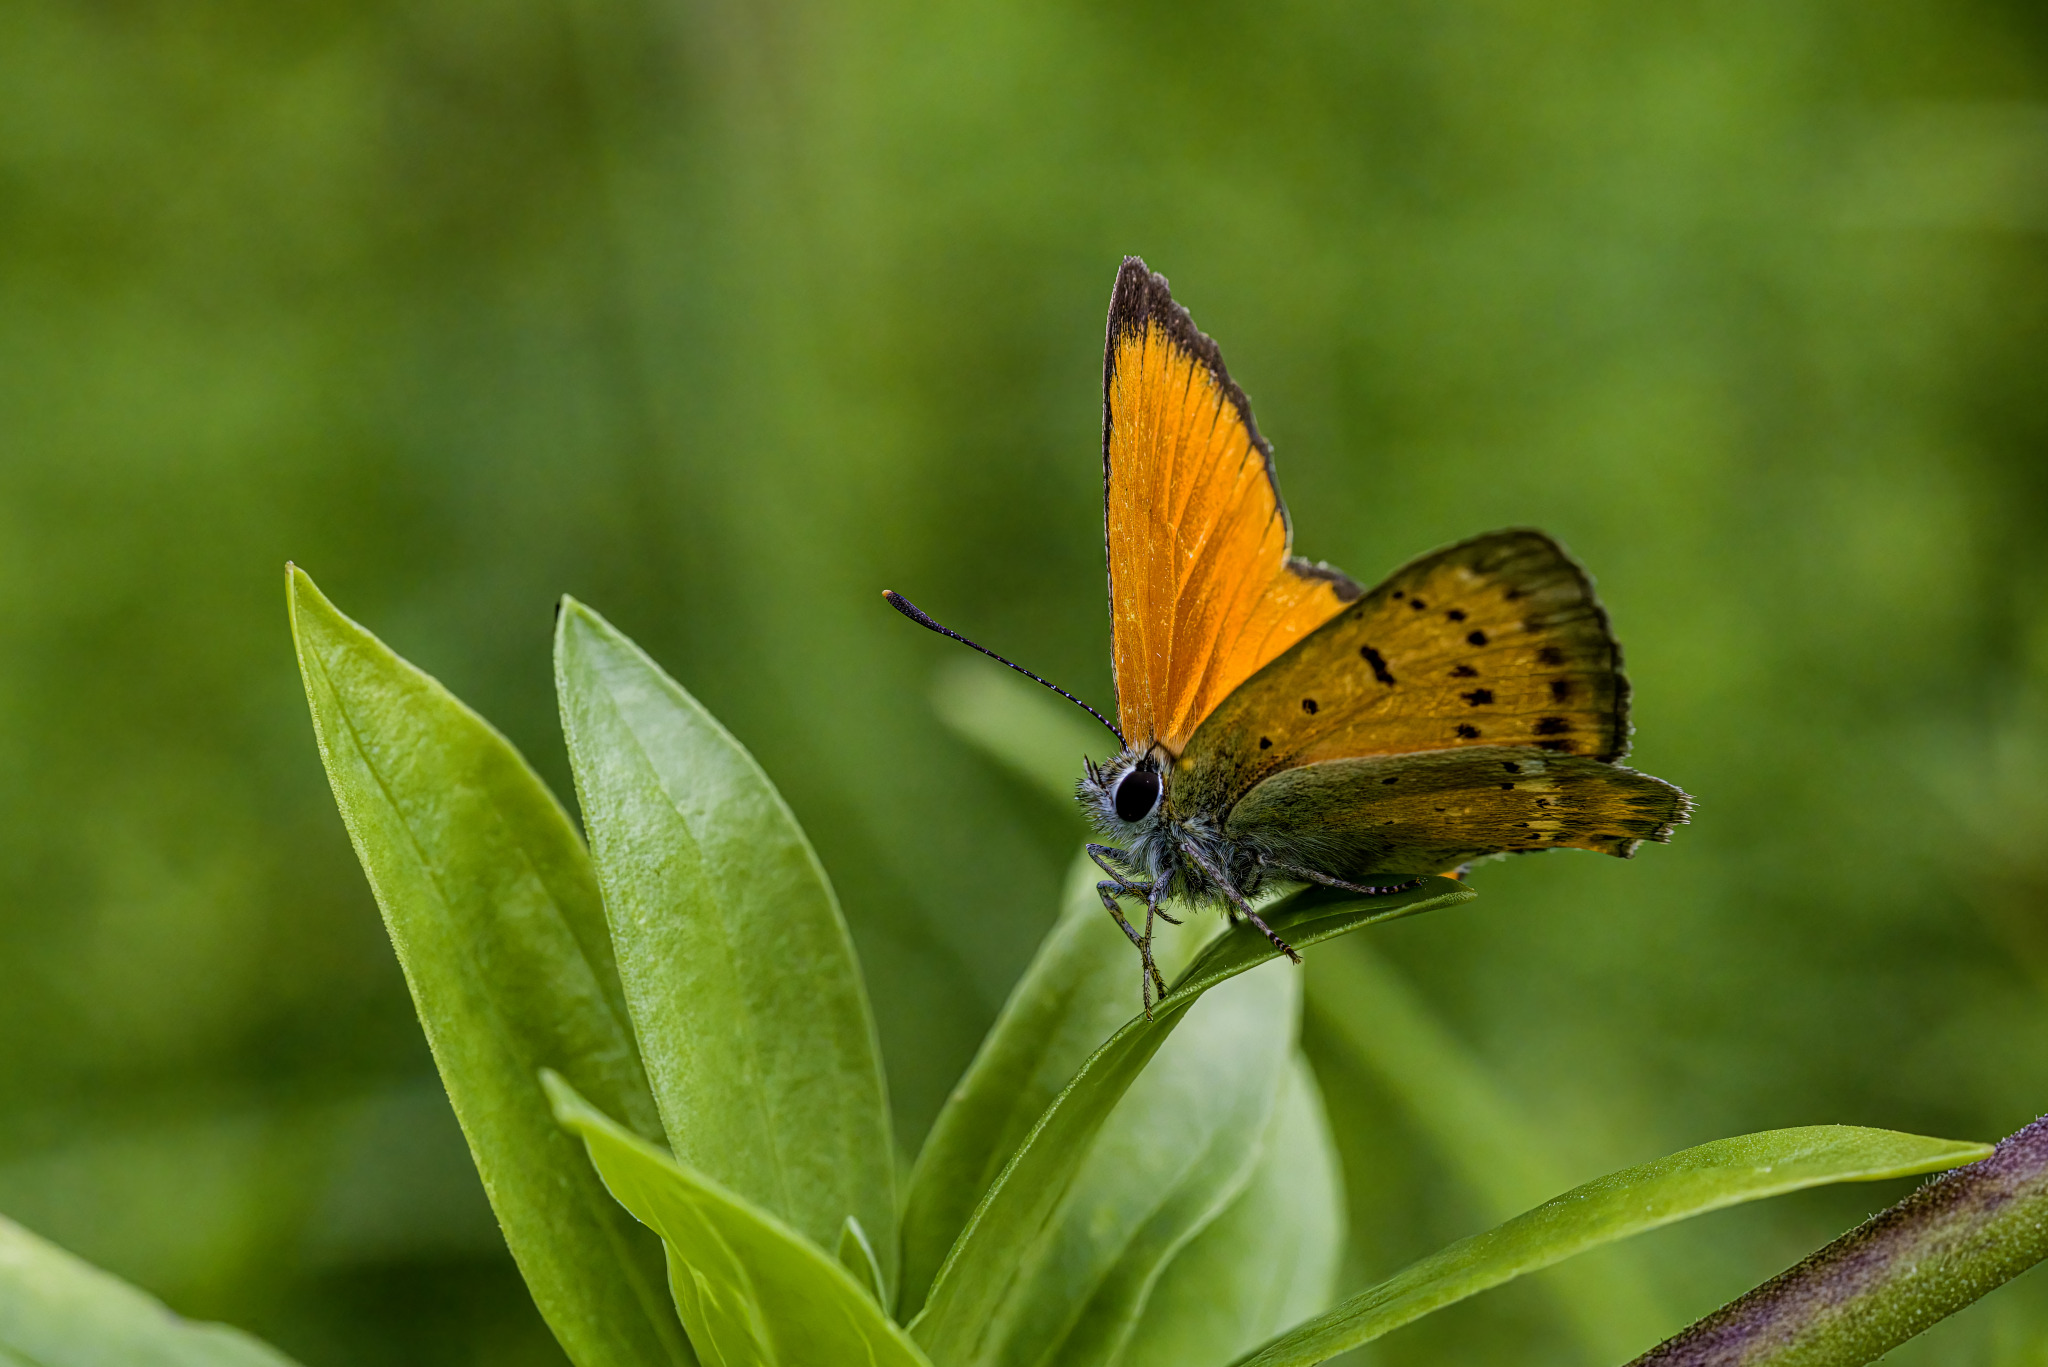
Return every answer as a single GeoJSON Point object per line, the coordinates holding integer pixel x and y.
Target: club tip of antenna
{"type": "Point", "coordinates": [909, 609]}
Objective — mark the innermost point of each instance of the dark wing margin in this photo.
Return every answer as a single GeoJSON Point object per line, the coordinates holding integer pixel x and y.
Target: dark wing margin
{"type": "Point", "coordinates": [1141, 297]}
{"type": "Point", "coordinates": [1501, 553]}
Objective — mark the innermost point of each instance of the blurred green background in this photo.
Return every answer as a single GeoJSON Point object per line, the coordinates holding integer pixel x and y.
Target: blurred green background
{"type": "Point", "coordinates": [726, 316]}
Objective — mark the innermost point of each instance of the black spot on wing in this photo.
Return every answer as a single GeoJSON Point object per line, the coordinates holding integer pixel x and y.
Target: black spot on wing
{"type": "Point", "coordinates": [1468, 732]}
{"type": "Point", "coordinates": [1308, 705]}
{"type": "Point", "coordinates": [1265, 743]}
{"type": "Point", "coordinates": [1456, 614]}
{"type": "Point", "coordinates": [1552, 726]}
{"type": "Point", "coordinates": [1477, 638]}
{"type": "Point", "coordinates": [1550, 655]}
{"type": "Point", "coordinates": [1378, 663]}
{"type": "Point", "coordinates": [1478, 697]}
{"type": "Point", "coordinates": [1560, 689]}
{"type": "Point", "coordinates": [1464, 672]}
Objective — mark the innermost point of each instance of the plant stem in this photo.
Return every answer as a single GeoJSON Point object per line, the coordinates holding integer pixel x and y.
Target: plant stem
{"type": "Point", "coordinates": [1957, 1238]}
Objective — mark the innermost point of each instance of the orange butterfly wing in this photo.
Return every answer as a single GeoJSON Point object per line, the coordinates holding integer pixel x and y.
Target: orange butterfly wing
{"type": "Point", "coordinates": [1202, 590]}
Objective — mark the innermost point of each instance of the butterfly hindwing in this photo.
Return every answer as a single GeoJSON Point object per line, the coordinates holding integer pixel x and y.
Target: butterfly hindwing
{"type": "Point", "coordinates": [1357, 819]}
{"type": "Point", "coordinates": [1202, 589]}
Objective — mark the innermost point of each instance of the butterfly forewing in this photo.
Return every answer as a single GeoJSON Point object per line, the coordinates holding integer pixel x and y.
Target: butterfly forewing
{"type": "Point", "coordinates": [1495, 641]}
{"type": "Point", "coordinates": [1202, 589]}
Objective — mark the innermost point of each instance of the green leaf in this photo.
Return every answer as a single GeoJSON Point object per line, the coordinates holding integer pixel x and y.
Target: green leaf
{"type": "Point", "coordinates": [491, 905]}
{"type": "Point", "coordinates": [1179, 1147]}
{"type": "Point", "coordinates": [1691, 1182]}
{"type": "Point", "coordinates": [978, 1274]}
{"type": "Point", "coordinates": [737, 966]}
{"type": "Point", "coordinates": [1367, 1010]}
{"type": "Point", "coordinates": [60, 1311]}
{"type": "Point", "coordinates": [754, 1292]}
{"type": "Point", "coordinates": [1267, 1262]}
{"type": "Point", "coordinates": [1079, 988]}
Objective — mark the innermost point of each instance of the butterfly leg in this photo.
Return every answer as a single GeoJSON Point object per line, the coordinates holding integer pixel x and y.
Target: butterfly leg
{"type": "Point", "coordinates": [1151, 986]}
{"type": "Point", "coordinates": [1150, 982]}
{"type": "Point", "coordinates": [1109, 893]}
{"type": "Point", "coordinates": [1311, 876]}
{"type": "Point", "coordinates": [1237, 900]}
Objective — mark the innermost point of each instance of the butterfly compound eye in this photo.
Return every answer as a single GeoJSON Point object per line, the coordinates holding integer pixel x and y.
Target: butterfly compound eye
{"type": "Point", "coordinates": [1136, 795]}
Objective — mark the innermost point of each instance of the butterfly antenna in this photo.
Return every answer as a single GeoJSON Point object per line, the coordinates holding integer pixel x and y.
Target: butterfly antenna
{"type": "Point", "coordinates": [915, 614]}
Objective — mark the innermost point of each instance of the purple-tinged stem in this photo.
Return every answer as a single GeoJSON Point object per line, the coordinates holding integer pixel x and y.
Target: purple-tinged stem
{"type": "Point", "coordinates": [1955, 1239]}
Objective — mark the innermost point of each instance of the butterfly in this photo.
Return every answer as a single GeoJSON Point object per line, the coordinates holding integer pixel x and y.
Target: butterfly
{"type": "Point", "coordinates": [1278, 722]}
